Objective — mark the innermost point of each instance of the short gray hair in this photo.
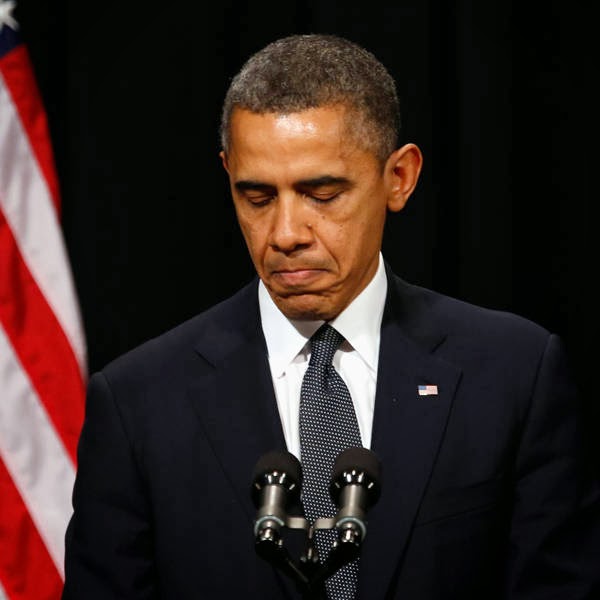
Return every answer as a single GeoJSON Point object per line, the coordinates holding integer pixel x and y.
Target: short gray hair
{"type": "Point", "coordinates": [306, 71]}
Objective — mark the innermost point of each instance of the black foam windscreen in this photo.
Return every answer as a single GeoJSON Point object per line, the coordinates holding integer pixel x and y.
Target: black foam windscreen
{"type": "Point", "coordinates": [360, 459]}
{"type": "Point", "coordinates": [280, 461]}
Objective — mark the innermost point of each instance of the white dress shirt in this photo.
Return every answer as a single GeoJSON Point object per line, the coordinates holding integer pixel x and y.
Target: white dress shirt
{"type": "Point", "coordinates": [356, 360]}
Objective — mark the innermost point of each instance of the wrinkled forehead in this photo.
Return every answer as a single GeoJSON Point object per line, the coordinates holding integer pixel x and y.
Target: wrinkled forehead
{"type": "Point", "coordinates": [341, 120]}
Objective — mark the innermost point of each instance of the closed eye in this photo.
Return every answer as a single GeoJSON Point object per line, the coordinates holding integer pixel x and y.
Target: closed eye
{"type": "Point", "coordinates": [323, 198]}
{"type": "Point", "coordinates": [259, 200]}
{"type": "Point", "coordinates": [324, 189]}
{"type": "Point", "coordinates": [256, 193]}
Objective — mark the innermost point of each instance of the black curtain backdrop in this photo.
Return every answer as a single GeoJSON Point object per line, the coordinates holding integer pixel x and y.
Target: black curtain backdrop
{"type": "Point", "coordinates": [497, 94]}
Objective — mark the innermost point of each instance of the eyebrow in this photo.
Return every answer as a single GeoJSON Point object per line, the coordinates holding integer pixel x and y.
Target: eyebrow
{"type": "Point", "coordinates": [323, 181]}
{"type": "Point", "coordinates": [245, 185]}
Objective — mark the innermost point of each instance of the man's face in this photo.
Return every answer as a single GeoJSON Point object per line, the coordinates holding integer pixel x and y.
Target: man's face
{"type": "Point", "coordinates": [311, 206]}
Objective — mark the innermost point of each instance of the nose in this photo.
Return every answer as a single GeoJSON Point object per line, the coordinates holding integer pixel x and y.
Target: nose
{"type": "Point", "coordinates": [291, 229]}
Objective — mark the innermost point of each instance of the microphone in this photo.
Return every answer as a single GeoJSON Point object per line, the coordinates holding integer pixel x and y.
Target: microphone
{"type": "Point", "coordinates": [276, 484]}
{"type": "Point", "coordinates": [355, 487]}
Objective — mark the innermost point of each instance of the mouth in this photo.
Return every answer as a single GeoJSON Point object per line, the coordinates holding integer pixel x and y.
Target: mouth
{"type": "Point", "coordinates": [296, 278]}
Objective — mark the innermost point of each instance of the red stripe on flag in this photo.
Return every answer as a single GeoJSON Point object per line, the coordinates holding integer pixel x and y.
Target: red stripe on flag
{"type": "Point", "coordinates": [17, 72]}
{"type": "Point", "coordinates": [27, 571]}
{"type": "Point", "coordinates": [40, 343]}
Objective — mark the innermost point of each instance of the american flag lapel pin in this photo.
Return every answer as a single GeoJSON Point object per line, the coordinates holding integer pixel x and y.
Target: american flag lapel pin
{"type": "Point", "coordinates": [428, 390]}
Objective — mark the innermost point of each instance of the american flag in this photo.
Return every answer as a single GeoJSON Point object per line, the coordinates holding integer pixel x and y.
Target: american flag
{"type": "Point", "coordinates": [42, 345]}
{"type": "Point", "coordinates": [428, 390]}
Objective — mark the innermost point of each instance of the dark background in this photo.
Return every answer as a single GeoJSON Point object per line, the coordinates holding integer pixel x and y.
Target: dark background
{"type": "Point", "coordinates": [497, 94]}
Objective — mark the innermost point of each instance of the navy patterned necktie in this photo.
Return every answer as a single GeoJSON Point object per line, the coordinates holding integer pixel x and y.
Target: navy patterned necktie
{"type": "Point", "coordinates": [328, 426]}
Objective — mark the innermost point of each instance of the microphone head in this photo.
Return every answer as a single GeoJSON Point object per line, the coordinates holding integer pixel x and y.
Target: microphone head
{"type": "Point", "coordinates": [357, 466]}
{"type": "Point", "coordinates": [277, 468]}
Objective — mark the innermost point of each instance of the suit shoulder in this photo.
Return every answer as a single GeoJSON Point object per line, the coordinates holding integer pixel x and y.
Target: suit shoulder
{"type": "Point", "coordinates": [163, 352]}
{"type": "Point", "coordinates": [432, 309]}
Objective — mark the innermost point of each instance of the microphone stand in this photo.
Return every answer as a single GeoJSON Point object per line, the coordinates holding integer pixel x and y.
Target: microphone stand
{"type": "Point", "coordinates": [354, 488]}
{"type": "Point", "coordinates": [269, 546]}
{"type": "Point", "coordinates": [309, 574]}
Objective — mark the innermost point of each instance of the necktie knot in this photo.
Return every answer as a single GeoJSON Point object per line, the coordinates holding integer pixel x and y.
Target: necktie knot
{"type": "Point", "coordinates": [323, 345]}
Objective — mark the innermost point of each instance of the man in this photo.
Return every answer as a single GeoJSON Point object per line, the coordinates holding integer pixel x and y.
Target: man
{"type": "Point", "coordinates": [471, 412]}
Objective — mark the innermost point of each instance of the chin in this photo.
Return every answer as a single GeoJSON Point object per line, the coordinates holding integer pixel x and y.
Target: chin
{"type": "Point", "coordinates": [301, 309]}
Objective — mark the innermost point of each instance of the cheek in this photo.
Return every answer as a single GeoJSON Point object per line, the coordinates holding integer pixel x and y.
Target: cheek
{"type": "Point", "coordinates": [333, 234]}
{"type": "Point", "coordinates": [254, 235]}
{"type": "Point", "coordinates": [361, 239]}
{"type": "Point", "coordinates": [344, 243]}
{"type": "Point", "coordinates": [357, 232]}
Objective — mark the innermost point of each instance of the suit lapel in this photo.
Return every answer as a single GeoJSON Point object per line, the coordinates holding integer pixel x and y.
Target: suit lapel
{"type": "Point", "coordinates": [232, 393]}
{"type": "Point", "coordinates": [407, 432]}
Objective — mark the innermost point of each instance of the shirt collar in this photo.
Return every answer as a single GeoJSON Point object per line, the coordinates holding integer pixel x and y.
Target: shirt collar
{"type": "Point", "coordinates": [359, 323]}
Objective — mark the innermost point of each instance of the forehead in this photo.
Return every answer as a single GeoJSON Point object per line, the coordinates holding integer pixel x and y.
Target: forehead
{"type": "Point", "coordinates": [305, 139]}
{"type": "Point", "coordinates": [248, 126]}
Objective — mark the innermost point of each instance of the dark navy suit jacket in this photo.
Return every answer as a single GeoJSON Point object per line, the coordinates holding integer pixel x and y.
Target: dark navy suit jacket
{"type": "Point", "coordinates": [484, 488]}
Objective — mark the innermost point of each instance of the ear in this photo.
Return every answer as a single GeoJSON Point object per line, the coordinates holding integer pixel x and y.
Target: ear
{"type": "Point", "coordinates": [402, 168]}
{"type": "Point", "coordinates": [224, 160]}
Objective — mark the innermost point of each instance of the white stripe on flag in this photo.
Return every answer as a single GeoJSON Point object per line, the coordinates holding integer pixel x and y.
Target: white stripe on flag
{"type": "Point", "coordinates": [26, 202]}
{"type": "Point", "coordinates": [3, 595]}
{"type": "Point", "coordinates": [34, 454]}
